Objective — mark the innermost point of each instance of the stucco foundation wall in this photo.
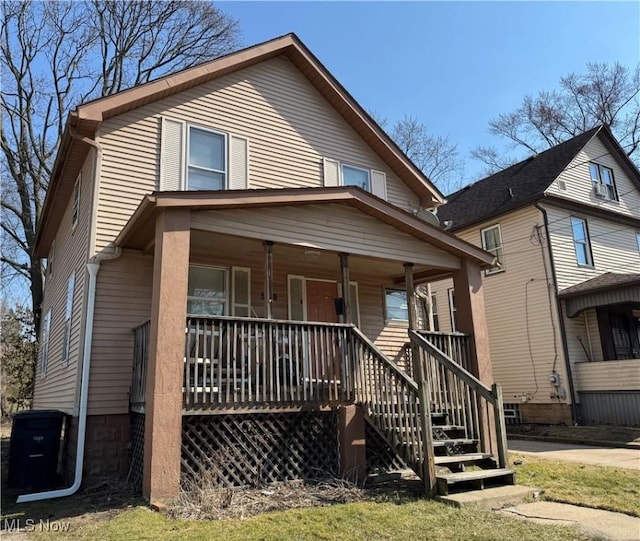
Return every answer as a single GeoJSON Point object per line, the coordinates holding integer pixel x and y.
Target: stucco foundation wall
{"type": "Point", "coordinates": [107, 447]}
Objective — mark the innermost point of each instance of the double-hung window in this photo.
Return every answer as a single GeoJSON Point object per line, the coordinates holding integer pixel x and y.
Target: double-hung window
{"type": "Point", "coordinates": [434, 313]}
{"type": "Point", "coordinates": [356, 176]}
{"type": "Point", "coordinates": [581, 242]}
{"type": "Point", "coordinates": [75, 213]}
{"type": "Point", "coordinates": [66, 336]}
{"type": "Point", "coordinates": [207, 166]}
{"type": "Point", "coordinates": [44, 343]}
{"type": "Point", "coordinates": [453, 312]}
{"type": "Point", "coordinates": [603, 182]}
{"type": "Point", "coordinates": [207, 291]}
{"type": "Point", "coordinates": [396, 305]}
{"type": "Point", "coordinates": [492, 242]}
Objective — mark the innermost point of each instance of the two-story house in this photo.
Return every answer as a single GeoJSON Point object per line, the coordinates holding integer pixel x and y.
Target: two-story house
{"type": "Point", "coordinates": [231, 257]}
{"type": "Point", "coordinates": [563, 305]}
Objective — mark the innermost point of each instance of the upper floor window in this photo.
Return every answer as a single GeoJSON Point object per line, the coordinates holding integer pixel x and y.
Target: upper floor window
{"type": "Point", "coordinates": [207, 166]}
{"type": "Point", "coordinates": [66, 333]}
{"type": "Point", "coordinates": [356, 176]}
{"type": "Point", "coordinates": [396, 305]}
{"type": "Point", "coordinates": [52, 255]}
{"type": "Point", "coordinates": [75, 212]}
{"type": "Point", "coordinates": [492, 242]}
{"type": "Point", "coordinates": [581, 242]}
{"type": "Point", "coordinates": [603, 183]}
{"type": "Point", "coordinates": [44, 343]}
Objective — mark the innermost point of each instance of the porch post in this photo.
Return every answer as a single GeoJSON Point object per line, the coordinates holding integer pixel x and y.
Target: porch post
{"type": "Point", "coordinates": [346, 290]}
{"type": "Point", "coordinates": [420, 375]}
{"type": "Point", "coordinates": [467, 282]}
{"type": "Point", "coordinates": [163, 420]}
{"type": "Point", "coordinates": [268, 279]}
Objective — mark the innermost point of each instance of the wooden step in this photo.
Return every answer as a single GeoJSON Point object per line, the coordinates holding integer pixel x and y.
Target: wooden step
{"type": "Point", "coordinates": [454, 441]}
{"type": "Point", "coordinates": [478, 479]}
{"type": "Point", "coordinates": [465, 458]}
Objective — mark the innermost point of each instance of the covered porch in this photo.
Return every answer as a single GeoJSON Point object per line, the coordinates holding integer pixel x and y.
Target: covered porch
{"type": "Point", "coordinates": [250, 315]}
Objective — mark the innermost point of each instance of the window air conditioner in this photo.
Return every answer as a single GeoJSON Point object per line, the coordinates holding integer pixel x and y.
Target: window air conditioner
{"type": "Point", "coordinates": [601, 191]}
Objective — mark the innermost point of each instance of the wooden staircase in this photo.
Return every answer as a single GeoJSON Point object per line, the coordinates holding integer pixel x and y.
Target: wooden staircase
{"type": "Point", "coordinates": [454, 448]}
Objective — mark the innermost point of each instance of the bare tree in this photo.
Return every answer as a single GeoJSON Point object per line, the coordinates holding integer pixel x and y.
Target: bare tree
{"type": "Point", "coordinates": [58, 54]}
{"type": "Point", "coordinates": [604, 94]}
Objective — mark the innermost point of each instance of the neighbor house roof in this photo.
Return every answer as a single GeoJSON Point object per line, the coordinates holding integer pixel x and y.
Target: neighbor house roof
{"type": "Point", "coordinates": [140, 229]}
{"type": "Point", "coordinates": [604, 282]}
{"type": "Point", "coordinates": [512, 187]}
{"type": "Point", "coordinates": [83, 123]}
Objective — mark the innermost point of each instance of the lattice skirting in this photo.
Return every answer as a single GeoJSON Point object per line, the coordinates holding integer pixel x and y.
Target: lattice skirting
{"type": "Point", "coordinates": [136, 451]}
{"type": "Point", "coordinates": [255, 449]}
{"type": "Point", "coordinates": [380, 456]}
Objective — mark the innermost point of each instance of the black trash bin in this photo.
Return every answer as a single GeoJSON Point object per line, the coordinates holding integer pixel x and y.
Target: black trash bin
{"type": "Point", "coordinates": [33, 453]}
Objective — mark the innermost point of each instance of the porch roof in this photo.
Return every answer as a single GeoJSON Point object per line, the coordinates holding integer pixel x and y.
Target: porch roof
{"type": "Point", "coordinates": [139, 230]}
{"type": "Point", "coordinates": [608, 288]}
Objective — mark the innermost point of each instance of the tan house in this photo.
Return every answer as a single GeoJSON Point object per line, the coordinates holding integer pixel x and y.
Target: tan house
{"type": "Point", "coordinates": [232, 251]}
{"type": "Point", "coordinates": [563, 305]}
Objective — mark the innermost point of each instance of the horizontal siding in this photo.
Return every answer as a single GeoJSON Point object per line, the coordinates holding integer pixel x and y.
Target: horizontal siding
{"type": "Point", "coordinates": [290, 128]}
{"type": "Point", "coordinates": [608, 375]}
{"type": "Point", "coordinates": [577, 179]}
{"type": "Point", "coordinates": [331, 227]}
{"type": "Point", "coordinates": [123, 300]}
{"type": "Point", "coordinates": [57, 390]}
{"type": "Point", "coordinates": [523, 336]}
{"type": "Point", "coordinates": [613, 245]}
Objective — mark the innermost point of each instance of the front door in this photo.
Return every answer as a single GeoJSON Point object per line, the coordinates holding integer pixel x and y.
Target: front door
{"type": "Point", "coordinates": [321, 301]}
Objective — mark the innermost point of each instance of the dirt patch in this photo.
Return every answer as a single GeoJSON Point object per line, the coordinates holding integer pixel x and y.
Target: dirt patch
{"type": "Point", "coordinates": [578, 434]}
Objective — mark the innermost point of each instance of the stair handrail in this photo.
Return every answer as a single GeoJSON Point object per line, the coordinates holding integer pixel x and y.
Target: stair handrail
{"type": "Point", "coordinates": [493, 394]}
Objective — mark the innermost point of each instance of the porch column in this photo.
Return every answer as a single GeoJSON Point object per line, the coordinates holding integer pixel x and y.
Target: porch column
{"type": "Point", "coordinates": [163, 421]}
{"type": "Point", "coordinates": [353, 456]}
{"type": "Point", "coordinates": [346, 289]}
{"type": "Point", "coordinates": [420, 375]}
{"type": "Point", "coordinates": [470, 313]}
{"type": "Point", "coordinates": [268, 279]}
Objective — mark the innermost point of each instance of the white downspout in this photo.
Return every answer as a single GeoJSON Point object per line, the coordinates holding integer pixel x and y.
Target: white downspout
{"type": "Point", "coordinates": [93, 269]}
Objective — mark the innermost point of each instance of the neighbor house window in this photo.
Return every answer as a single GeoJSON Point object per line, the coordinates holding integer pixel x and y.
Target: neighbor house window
{"type": "Point", "coordinates": [581, 242]}
{"type": "Point", "coordinates": [52, 255]}
{"type": "Point", "coordinates": [602, 179]}
{"type": "Point", "coordinates": [453, 312]}
{"type": "Point", "coordinates": [638, 241]}
{"type": "Point", "coordinates": [207, 166]}
{"type": "Point", "coordinates": [44, 343]}
{"type": "Point", "coordinates": [207, 291]}
{"type": "Point", "coordinates": [396, 306]}
{"type": "Point", "coordinates": [356, 176]}
{"type": "Point", "coordinates": [434, 313]}
{"type": "Point", "coordinates": [76, 202]}
{"type": "Point", "coordinates": [66, 337]}
{"type": "Point", "coordinates": [492, 242]}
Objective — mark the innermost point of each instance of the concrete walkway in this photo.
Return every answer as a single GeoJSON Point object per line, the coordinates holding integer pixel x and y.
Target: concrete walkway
{"type": "Point", "coordinates": [593, 522]}
{"type": "Point", "coordinates": [583, 454]}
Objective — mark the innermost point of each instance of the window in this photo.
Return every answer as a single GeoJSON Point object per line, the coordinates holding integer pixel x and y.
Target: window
{"type": "Point", "coordinates": [638, 241]}
{"type": "Point", "coordinates": [66, 337]}
{"type": "Point", "coordinates": [581, 242]}
{"type": "Point", "coordinates": [44, 343]}
{"type": "Point", "coordinates": [207, 166]}
{"type": "Point", "coordinates": [76, 201]}
{"type": "Point", "coordinates": [453, 312]}
{"type": "Point", "coordinates": [207, 291]}
{"type": "Point", "coordinates": [396, 306]}
{"type": "Point", "coordinates": [241, 291]}
{"type": "Point", "coordinates": [603, 183]}
{"type": "Point", "coordinates": [434, 313]}
{"type": "Point", "coordinates": [492, 242]}
{"type": "Point", "coordinates": [356, 176]}
{"type": "Point", "coordinates": [52, 255]}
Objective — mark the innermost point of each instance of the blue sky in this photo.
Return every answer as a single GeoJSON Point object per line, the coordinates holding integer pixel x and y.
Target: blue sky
{"type": "Point", "coordinates": [453, 65]}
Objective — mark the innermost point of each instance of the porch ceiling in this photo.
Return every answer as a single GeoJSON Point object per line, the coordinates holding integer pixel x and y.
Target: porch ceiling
{"type": "Point", "coordinates": [427, 241]}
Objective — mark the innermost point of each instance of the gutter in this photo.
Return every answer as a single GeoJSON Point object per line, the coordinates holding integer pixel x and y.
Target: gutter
{"type": "Point", "coordinates": [563, 331]}
{"type": "Point", "coordinates": [92, 267]}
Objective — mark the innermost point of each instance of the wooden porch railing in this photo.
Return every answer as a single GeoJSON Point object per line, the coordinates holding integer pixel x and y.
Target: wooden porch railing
{"type": "Point", "coordinates": [465, 399]}
{"type": "Point", "coordinates": [454, 345]}
{"type": "Point", "coordinates": [391, 399]}
{"type": "Point", "coordinates": [140, 362]}
{"type": "Point", "coordinates": [231, 362]}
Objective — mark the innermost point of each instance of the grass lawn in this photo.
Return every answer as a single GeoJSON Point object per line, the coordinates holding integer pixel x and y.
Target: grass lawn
{"type": "Point", "coordinates": [590, 486]}
{"type": "Point", "coordinates": [409, 520]}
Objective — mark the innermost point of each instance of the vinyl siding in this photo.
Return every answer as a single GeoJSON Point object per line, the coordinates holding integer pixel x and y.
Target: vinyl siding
{"type": "Point", "coordinates": [608, 375]}
{"type": "Point", "coordinates": [290, 128]}
{"type": "Point", "coordinates": [614, 247]}
{"type": "Point", "coordinates": [577, 179]}
{"type": "Point", "coordinates": [123, 301]}
{"type": "Point", "coordinates": [331, 227]}
{"type": "Point", "coordinates": [524, 340]}
{"type": "Point", "coordinates": [57, 389]}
